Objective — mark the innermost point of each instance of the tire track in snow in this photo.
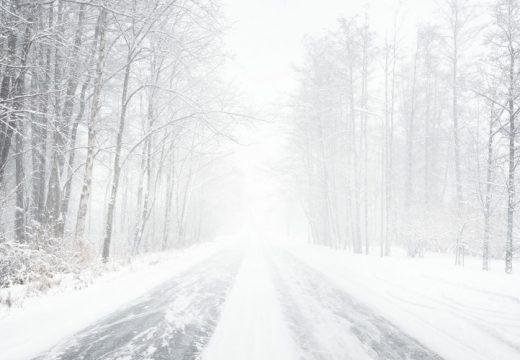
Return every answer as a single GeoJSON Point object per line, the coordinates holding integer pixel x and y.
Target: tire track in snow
{"type": "Point", "coordinates": [173, 321]}
{"type": "Point", "coordinates": [329, 324]}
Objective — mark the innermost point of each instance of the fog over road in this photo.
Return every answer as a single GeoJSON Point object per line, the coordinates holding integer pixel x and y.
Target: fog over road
{"type": "Point", "coordinates": [177, 319]}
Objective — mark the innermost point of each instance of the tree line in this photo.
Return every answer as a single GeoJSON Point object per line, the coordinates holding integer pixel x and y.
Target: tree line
{"type": "Point", "coordinates": [111, 112]}
{"type": "Point", "coordinates": [410, 138]}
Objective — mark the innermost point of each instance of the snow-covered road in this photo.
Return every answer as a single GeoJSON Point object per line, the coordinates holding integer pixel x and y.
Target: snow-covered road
{"type": "Point", "coordinates": [261, 302]}
{"type": "Point", "coordinates": [173, 321]}
{"type": "Point", "coordinates": [328, 323]}
{"type": "Point", "coordinates": [278, 308]}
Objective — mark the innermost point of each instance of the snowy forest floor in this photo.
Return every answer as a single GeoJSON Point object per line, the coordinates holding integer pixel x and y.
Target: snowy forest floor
{"type": "Point", "coordinates": [222, 301]}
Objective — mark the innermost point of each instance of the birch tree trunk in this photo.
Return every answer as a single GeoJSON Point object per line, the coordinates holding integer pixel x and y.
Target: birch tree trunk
{"type": "Point", "coordinates": [86, 188]}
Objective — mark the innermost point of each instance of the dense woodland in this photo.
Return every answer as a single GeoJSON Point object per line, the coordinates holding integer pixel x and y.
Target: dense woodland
{"type": "Point", "coordinates": [111, 113]}
{"type": "Point", "coordinates": [410, 138]}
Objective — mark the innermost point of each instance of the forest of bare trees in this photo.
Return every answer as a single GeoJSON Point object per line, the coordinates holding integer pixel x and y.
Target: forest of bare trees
{"type": "Point", "coordinates": [410, 138]}
{"type": "Point", "coordinates": [110, 113]}
{"type": "Point", "coordinates": [113, 115]}
{"type": "Point", "coordinates": [259, 179]}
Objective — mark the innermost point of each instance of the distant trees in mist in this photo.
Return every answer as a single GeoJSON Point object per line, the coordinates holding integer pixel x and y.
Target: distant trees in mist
{"type": "Point", "coordinates": [411, 139]}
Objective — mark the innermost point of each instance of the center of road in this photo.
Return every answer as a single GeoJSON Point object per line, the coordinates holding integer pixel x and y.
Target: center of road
{"type": "Point", "coordinates": [252, 325]}
{"type": "Point", "coordinates": [256, 303]}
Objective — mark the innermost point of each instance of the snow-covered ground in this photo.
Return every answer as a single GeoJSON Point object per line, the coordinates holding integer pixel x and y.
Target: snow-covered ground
{"type": "Point", "coordinates": [43, 321]}
{"type": "Point", "coordinates": [252, 325]}
{"type": "Point", "coordinates": [218, 301]}
{"type": "Point", "coordinates": [459, 312]}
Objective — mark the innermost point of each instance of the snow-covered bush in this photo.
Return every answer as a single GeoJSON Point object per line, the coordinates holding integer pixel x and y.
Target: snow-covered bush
{"type": "Point", "coordinates": [36, 263]}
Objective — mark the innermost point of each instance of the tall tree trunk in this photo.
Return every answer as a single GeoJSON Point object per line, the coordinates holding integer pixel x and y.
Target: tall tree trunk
{"type": "Point", "coordinates": [72, 153]}
{"type": "Point", "coordinates": [145, 190]}
{"type": "Point", "coordinates": [169, 197]}
{"type": "Point", "coordinates": [357, 245]}
{"type": "Point", "coordinates": [384, 156]}
{"type": "Point", "coordinates": [7, 123]}
{"type": "Point", "coordinates": [39, 135]}
{"type": "Point", "coordinates": [409, 153]}
{"type": "Point", "coordinates": [455, 109]}
{"type": "Point", "coordinates": [20, 220]}
{"type": "Point", "coordinates": [19, 89]}
{"type": "Point", "coordinates": [487, 203]}
{"type": "Point", "coordinates": [511, 191]}
{"type": "Point", "coordinates": [53, 202]}
{"type": "Point", "coordinates": [66, 116]}
{"type": "Point", "coordinates": [116, 164]}
{"type": "Point", "coordinates": [145, 213]}
{"type": "Point", "coordinates": [84, 200]}
{"type": "Point", "coordinates": [364, 106]}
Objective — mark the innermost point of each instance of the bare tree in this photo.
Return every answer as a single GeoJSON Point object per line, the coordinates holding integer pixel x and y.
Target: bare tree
{"type": "Point", "coordinates": [100, 49]}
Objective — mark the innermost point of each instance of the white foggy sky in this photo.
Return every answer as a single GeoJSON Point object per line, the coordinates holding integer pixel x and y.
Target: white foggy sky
{"type": "Point", "coordinates": [266, 37]}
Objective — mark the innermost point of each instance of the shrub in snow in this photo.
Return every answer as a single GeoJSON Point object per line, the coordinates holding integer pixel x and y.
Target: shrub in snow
{"type": "Point", "coordinates": [36, 264]}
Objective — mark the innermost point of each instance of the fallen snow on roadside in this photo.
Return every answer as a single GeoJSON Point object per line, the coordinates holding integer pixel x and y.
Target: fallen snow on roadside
{"type": "Point", "coordinates": [44, 321]}
{"type": "Point", "coordinates": [252, 325]}
{"type": "Point", "coordinates": [459, 312]}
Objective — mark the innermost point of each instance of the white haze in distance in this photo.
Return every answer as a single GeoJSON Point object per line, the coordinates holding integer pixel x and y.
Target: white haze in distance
{"type": "Point", "coordinates": [266, 36]}
{"type": "Point", "coordinates": [265, 40]}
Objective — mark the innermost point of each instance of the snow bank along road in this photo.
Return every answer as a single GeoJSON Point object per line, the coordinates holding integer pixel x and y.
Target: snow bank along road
{"type": "Point", "coordinates": [243, 304]}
